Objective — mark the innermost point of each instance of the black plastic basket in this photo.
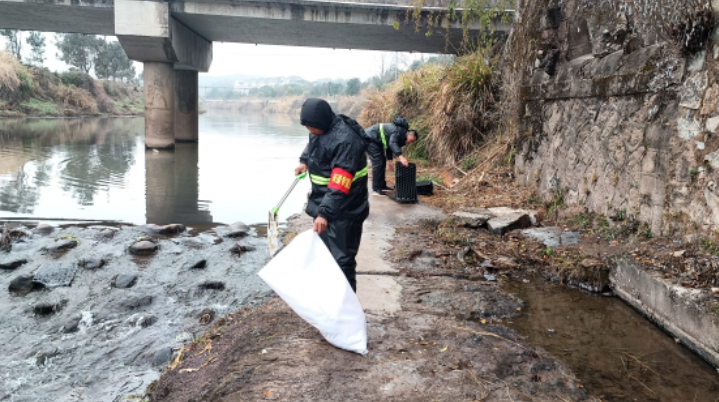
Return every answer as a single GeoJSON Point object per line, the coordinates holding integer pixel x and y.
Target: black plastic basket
{"type": "Point", "coordinates": [405, 188]}
{"type": "Point", "coordinates": [425, 187]}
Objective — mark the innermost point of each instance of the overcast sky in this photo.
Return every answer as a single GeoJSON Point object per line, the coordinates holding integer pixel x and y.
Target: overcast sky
{"type": "Point", "coordinates": [272, 61]}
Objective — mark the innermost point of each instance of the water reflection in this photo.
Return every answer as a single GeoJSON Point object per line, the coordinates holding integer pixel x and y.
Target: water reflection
{"type": "Point", "coordinates": [98, 169]}
{"type": "Point", "coordinates": [173, 187]}
{"type": "Point", "coordinates": [85, 156]}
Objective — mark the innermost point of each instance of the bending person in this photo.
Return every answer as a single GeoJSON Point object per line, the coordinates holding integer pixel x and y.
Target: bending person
{"type": "Point", "coordinates": [386, 142]}
{"type": "Point", "coordinates": [335, 158]}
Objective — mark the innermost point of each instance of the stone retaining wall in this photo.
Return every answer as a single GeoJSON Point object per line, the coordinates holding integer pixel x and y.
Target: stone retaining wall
{"type": "Point", "coordinates": [617, 120]}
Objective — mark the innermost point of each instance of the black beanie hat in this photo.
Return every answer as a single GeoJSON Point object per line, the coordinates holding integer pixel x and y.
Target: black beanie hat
{"type": "Point", "coordinates": [317, 113]}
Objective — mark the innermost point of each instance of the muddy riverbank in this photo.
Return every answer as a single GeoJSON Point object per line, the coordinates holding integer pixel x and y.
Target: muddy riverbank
{"type": "Point", "coordinates": [86, 318]}
{"type": "Point", "coordinates": [445, 323]}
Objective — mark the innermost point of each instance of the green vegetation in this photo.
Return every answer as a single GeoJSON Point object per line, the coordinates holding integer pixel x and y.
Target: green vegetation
{"type": "Point", "coordinates": [430, 177]}
{"type": "Point", "coordinates": [711, 247]}
{"type": "Point", "coordinates": [40, 107]}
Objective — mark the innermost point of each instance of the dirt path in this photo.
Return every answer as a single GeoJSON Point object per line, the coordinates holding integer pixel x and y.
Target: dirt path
{"type": "Point", "coordinates": [426, 343]}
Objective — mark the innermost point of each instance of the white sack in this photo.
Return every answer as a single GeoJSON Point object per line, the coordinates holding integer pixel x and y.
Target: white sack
{"type": "Point", "coordinates": [306, 276]}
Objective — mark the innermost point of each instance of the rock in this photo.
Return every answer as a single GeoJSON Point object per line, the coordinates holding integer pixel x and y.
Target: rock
{"type": "Point", "coordinates": [206, 316]}
{"type": "Point", "coordinates": [693, 91]}
{"type": "Point", "coordinates": [712, 159]}
{"type": "Point", "coordinates": [202, 264]}
{"type": "Point", "coordinates": [715, 291]}
{"type": "Point", "coordinates": [238, 229]}
{"type": "Point", "coordinates": [21, 285]}
{"type": "Point", "coordinates": [124, 281]}
{"type": "Point", "coordinates": [711, 97]}
{"type": "Point", "coordinates": [92, 263]}
{"type": "Point", "coordinates": [712, 124]}
{"type": "Point", "coordinates": [498, 211]}
{"type": "Point", "coordinates": [591, 263]}
{"type": "Point", "coordinates": [43, 228]}
{"type": "Point", "coordinates": [552, 236]}
{"type": "Point", "coordinates": [12, 263]}
{"type": "Point", "coordinates": [54, 274]}
{"type": "Point", "coordinates": [142, 320]}
{"type": "Point", "coordinates": [240, 249]}
{"type": "Point", "coordinates": [502, 224]}
{"type": "Point", "coordinates": [144, 247]}
{"type": "Point", "coordinates": [146, 321]}
{"type": "Point", "coordinates": [106, 234]}
{"type": "Point", "coordinates": [212, 285]}
{"type": "Point", "coordinates": [162, 357]}
{"type": "Point", "coordinates": [136, 302]}
{"type": "Point", "coordinates": [71, 325]}
{"type": "Point", "coordinates": [688, 127]}
{"type": "Point", "coordinates": [47, 308]}
{"type": "Point", "coordinates": [472, 217]}
{"type": "Point", "coordinates": [167, 229]}
{"type": "Point", "coordinates": [505, 262]}
{"type": "Point", "coordinates": [42, 356]}
{"type": "Point", "coordinates": [61, 245]}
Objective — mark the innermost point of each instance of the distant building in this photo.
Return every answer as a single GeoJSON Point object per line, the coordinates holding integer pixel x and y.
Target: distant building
{"type": "Point", "coordinates": [244, 86]}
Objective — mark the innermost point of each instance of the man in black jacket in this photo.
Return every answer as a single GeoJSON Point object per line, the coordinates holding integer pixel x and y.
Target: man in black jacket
{"type": "Point", "coordinates": [386, 142]}
{"type": "Point", "coordinates": [335, 158]}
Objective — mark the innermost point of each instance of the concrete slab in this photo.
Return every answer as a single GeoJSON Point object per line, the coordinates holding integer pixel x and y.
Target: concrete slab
{"type": "Point", "coordinates": [385, 215]}
{"type": "Point", "coordinates": [379, 294]}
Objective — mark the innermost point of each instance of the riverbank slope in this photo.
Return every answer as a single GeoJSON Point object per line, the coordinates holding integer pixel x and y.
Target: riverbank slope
{"type": "Point", "coordinates": [38, 92]}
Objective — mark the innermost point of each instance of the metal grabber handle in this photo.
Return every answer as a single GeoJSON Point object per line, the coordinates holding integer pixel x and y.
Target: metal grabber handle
{"type": "Point", "coordinates": [284, 197]}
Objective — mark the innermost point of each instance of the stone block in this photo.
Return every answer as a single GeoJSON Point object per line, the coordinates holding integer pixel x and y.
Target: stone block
{"type": "Point", "coordinates": [712, 124]}
{"type": "Point", "coordinates": [711, 97]}
{"type": "Point", "coordinates": [693, 91]}
{"type": "Point", "coordinates": [473, 218]}
{"type": "Point", "coordinates": [504, 223]}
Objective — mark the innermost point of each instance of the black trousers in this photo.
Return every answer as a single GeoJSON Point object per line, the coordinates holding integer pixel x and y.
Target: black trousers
{"type": "Point", "coordinates": [342, 238]}
{"type": "Point", "coordinates": [378, 158]}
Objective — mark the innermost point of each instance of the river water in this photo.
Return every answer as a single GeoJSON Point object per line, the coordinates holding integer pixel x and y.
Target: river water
{"type": "Point", "coordinates": [99, 342]}
{"type": "Point", "coordinates": [97, 169]}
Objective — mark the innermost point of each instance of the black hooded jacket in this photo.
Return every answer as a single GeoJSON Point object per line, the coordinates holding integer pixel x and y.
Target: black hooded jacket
{"type": "Point", "coordinates": [395, 135]}
{"type": "Point", "coordinates": [339, 152]}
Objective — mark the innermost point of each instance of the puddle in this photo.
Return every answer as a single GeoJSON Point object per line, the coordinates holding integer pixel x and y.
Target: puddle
{"type": "Point", "coordinates": [616, 353]}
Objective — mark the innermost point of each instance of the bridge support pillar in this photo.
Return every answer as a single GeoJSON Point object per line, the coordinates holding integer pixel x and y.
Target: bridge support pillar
{"type": "Point", "coordinates": [159, 105]}
{"type": "Point", "coordinates": [186, 109]}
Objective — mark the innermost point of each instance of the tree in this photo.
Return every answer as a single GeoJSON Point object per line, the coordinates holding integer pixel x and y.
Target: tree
{"type": "Point", "coordinates": [112, 62]}
{"type": "Point", "coordinates": [14, 42]}
{"type": "Point", "coordinates": [78, 50]}
{"type": "Point", "coordinates": [353, 86]}
{"type": "Point", "coordinates": [36, 40]}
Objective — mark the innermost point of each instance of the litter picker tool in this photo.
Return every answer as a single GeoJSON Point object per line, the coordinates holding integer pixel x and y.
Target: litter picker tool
{"type": "Point", "coordinates": [273, 226]}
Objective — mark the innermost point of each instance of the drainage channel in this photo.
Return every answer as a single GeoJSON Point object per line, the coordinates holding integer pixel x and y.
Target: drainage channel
{"type": "Point", "coordinates": [617, 354]}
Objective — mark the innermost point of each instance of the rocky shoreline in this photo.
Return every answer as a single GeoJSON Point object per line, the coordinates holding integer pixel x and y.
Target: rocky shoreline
{"type": "Point", "coordinates": [96, 310]}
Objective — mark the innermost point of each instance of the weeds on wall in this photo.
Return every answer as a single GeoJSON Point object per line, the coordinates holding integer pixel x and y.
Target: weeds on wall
{"type": "Point", "coordinates": [477, 16]}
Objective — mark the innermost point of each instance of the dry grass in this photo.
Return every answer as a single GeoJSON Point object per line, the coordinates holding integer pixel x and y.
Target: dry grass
{"type": "Point", "coordinates": [9, 72]}
{"type": "Point", "coordinates": [453, 107]}
{"type": "Point", "coordinates": [76, 98]}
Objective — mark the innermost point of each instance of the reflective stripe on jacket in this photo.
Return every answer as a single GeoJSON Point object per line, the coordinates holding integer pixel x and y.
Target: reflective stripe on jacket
{"type": "Point", "coordinates": [323, 181]}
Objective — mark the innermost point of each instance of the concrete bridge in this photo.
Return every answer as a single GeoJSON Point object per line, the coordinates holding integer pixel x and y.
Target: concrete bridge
{"type": "Point", "coordinates": [174, 39]}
